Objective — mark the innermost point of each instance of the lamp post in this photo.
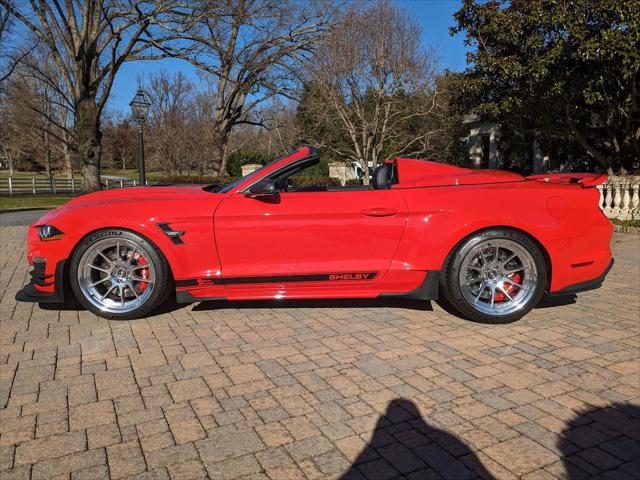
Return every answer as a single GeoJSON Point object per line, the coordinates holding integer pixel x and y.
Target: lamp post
{"type": "Point", "coordinates": [140, 109]}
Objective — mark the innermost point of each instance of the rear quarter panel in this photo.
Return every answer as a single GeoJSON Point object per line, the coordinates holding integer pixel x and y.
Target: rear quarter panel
{"type": "Point", "coordinates": [564, 219]}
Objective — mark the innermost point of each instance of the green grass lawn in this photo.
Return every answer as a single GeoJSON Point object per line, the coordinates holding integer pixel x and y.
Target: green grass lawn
{"type": "Point", "coordinates": [152, 175]}
{"type": "Point", "coordinates": [20, 202]}
{"type": "Point", "coordinates": [128, 173]}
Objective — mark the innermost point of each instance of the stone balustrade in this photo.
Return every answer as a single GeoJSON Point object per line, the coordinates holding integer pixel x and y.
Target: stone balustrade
{"type": "Point", "coordinates": [620, 197]}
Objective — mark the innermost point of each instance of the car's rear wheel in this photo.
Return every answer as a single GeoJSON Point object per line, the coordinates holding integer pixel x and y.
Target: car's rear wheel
{"type": "Point", "coordinates": [494, 276]}
{"type": "Point", "coordinates": [118, 274]}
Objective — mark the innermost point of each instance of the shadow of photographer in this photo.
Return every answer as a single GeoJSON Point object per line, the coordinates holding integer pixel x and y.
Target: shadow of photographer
{"type": "Point", "coordinates": [598, 443]}
{"type": "Point", "coordinates": [403, 444]}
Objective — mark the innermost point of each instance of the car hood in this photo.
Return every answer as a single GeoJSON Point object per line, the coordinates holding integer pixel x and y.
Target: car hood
{"type": "Point", "coordinates": [134, 195]}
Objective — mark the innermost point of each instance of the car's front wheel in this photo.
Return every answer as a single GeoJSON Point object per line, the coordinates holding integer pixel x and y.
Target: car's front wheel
{"type": "Point", "coordinates": [494, 276]}
{"type": "Point", "coordinates": [118, 274]}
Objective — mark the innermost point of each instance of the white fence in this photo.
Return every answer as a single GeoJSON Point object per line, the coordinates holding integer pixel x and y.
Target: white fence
{"type": "Point", "coordinates": [35, 186]}
{"type": "Point", "coordinates": [619, 197]}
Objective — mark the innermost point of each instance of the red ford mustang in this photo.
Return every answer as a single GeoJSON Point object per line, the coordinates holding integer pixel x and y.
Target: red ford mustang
{"type": "Point", "coordinates": [488, 243]}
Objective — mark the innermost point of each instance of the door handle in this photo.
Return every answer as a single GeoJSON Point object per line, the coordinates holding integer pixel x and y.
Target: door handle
{"type": "Point", "coordinates": [379, 212]}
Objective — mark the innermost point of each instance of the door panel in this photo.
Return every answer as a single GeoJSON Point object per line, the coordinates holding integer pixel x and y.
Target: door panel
{"type": "Point", "coordinates": [303, 233]}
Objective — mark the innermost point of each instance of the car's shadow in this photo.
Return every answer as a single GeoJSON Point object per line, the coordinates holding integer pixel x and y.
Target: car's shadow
{"type": "Point", "coordinates": [552, 301]}
{"type": "Point", "coordinates": [373, 303]}
{"type": "Point", "coordinates": [317, 303]}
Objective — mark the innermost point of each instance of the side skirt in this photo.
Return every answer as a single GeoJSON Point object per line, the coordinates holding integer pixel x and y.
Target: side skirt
{"type": "Point", "coordinates": [427, 290]}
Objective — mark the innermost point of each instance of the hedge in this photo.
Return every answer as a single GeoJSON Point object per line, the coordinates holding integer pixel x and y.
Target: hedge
{"type": "Point", "coordinates": [353, 181]}
{"type": "Point", "coordinates": [304, 181]}
{"type": "Point", "coordinates": [298, 181]}
{"type": "Point", "coordinates": [196, 179]}
{"type": "Point", "coordinates": [238, 158]}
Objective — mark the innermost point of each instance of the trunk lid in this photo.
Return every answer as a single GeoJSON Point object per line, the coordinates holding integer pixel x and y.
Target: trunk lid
{"type": "Point", "coordinates": [585, 180]}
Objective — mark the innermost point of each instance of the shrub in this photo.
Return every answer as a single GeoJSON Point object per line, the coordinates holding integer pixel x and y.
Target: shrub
{"type": "Point", "coordinates": [305, 181]}
{"type": "Point", "coordinates": [238, 158]}
{"type": "Point", "coordinates": [353, 181]}
{"type": "Point", "coordinates": [298, 181]}
{"type": "Point", "coordinates": [196, 179]}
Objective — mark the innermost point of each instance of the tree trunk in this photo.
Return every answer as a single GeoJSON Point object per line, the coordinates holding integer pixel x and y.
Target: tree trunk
{"type": "Point", "coordinates": [68, 161]}
{"type": "Point", "coordinates": [221, 139]}
{"type": "Point", "coordinates": [222, 155]}
{"type": "Point", "coordinates": [9, 158]}
{"type": "Point", "coordinates": [366, 180]}
{"type": "Point", "coordinates": [47, 164]}
{"type": "Point", "coordinates": [88, 146]}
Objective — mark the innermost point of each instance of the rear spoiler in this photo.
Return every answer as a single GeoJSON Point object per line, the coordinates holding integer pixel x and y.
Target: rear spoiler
{"type": "Point", "coordinates": [585, 180]}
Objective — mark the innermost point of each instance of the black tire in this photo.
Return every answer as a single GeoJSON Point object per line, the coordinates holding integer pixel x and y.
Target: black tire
{"type": "Point", "coordinates": [162, 286]}
{"type": "Point", "coordinates": [451, 290]}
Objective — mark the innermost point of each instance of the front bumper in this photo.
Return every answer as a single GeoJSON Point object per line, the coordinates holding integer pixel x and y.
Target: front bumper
{"type": "Point", "coordinates": [31, 292]}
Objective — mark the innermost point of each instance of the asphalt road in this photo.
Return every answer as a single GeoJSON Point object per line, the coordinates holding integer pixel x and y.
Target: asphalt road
{"type": "Point", "coordinates": [25, 217]}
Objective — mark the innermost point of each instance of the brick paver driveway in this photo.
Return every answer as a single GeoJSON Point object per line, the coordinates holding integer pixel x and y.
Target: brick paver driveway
{"type": "Point", "coordinates": [342, 389]}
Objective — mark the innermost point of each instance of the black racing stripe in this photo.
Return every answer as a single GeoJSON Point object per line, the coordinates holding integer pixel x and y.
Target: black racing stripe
{"type": "Point", "coordinates": [325, 277]}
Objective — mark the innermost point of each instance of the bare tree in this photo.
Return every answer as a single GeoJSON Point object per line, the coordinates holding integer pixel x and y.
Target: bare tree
{"type": "Point", "coordinates": [88, 41]}
{"type": "Point", "coordinates": [174, 141]}
{"type": "Point", "coordinates": [11, 53]}
{"type": "Point", "coordinates": [119, 142]}
{"type": "Point", "coordinates": [371, 84]}
{"type": "Point", "coordinates": [249, 47]}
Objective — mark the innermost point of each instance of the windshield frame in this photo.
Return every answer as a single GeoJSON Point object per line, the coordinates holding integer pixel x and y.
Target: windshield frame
{"type": "Point", "coordinates": [232, 186]}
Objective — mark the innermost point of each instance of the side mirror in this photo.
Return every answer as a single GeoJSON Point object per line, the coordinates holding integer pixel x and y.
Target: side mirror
{"type": "Point", "coordinates": [264, 188]}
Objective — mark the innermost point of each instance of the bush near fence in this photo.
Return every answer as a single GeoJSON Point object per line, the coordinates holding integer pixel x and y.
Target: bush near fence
{"type": "Point", "coordinates": [195, 179]}
{"type": "Point", "coordinates": [298, 181]}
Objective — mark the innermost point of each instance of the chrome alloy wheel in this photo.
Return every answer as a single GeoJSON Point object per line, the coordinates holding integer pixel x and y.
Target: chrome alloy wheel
{"type": "Point", "coordinates": [116, 275]}
{"type": "Point", "coordinates": [498, 277]}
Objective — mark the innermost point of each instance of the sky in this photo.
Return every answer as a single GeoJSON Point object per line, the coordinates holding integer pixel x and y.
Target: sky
{"type": "Point", "coordinates": [434, 16]}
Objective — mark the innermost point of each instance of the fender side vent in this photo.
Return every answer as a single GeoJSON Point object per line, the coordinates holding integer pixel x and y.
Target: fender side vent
{"type": "Point", "coordinates": [174, 235]}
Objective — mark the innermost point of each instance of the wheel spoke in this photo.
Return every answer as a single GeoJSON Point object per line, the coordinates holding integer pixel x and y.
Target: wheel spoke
{"type": "Point", "coordinates": [513, 270]}
{"type": "Point", "coordinates": [509, 259]}
{"type": "Point", "coordinates": [140, 279]}
{"type": "Point", "coordinates": [90, 265]}
{"type": "Point", "coordinates": [130, 285]}
{"type": "Point", "coordinates": [515, 284]}
{"type": "Point", "coordinates": [130, 259]}
{"type": "Point", "coordinates": [495, 255]}
{"type": "Point", "coordinates": [493, 296]}
{"type": "Point", "coordinates": [109, 290]}
{"type": "Point", "coordinates": [482, 288]}
{"type": "Point", "coordinates": [506, 294]}
{"type": "Point", "coordinates": [100, 281]}
{"type": "Point", "coordinates": [138, 267]}
{"type": "Point", "coordinates": [122, 295]}
{"type": "Point", "coordinates": [109, 261]}
{"type": "Point", "coordinates": [470, 267]}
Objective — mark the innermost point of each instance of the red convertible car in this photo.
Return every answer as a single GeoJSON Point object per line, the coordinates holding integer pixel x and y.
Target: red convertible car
{"type": "Point", "coordinates": [488, 243]}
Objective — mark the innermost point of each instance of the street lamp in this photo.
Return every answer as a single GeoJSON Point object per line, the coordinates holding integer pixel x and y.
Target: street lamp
{"type": "Point", "coordinates": [140, 109]}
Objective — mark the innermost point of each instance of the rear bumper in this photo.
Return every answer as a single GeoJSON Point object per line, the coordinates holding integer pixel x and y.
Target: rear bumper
{"type": "Point", "coordinates": [31, 292]}
{"type": "Point", "coordinates": [587, 285]}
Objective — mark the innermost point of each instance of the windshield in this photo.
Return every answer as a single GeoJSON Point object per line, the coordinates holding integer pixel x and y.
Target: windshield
{"type": "Point", "coordinates": [231, 186]}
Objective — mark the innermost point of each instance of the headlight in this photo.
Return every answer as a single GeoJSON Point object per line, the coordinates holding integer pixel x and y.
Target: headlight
{"type": "Point", "coordinates": [49, 232]}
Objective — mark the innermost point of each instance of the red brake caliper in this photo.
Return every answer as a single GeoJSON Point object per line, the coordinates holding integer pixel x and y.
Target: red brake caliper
{"type": "Point", "coordinates": [508, 287]}
{"type": "Point", "coordinates": [142, 273]}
